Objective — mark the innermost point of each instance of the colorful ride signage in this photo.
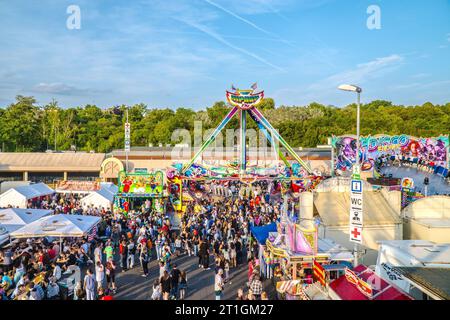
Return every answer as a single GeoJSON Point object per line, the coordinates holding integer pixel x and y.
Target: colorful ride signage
{"type": "Point", "coordinates": [433, 151]}
{"type": "Point", "coordinates": [141, 184]}
{"type": "Point", "coordinates": [244, 99]}
{"type": "Point", "coordinates": [356, 211]}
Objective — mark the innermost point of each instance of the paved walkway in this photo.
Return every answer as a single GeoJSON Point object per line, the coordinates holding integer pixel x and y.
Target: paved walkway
{"type": "Point", "coordinates": [132, 286]}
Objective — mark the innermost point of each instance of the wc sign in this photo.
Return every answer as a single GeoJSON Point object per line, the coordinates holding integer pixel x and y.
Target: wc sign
{"type": "Point", "coordinates": [356, 211]}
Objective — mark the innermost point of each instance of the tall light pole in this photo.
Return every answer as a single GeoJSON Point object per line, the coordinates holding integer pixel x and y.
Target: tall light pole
{"type": "Point", "coordinates": [353, 88]}
{"type": "Point", "coordinates": [127, 147]}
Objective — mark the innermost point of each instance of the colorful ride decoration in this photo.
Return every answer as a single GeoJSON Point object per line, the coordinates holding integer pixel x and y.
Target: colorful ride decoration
{"type": "Point", "coordinates": [244, 99]}
{"type": "Point", "coordinates": [297, 175]}
{"type": "Point", "coordinates": [409, 194]}
{"type": "Point", "coordinates": [175, 190]}
{"type": "Point", "coordinates": [432, 151]}
{"type": "Point", "coordinates": [243, 103]}
{"type": "Point", "coordinates": [140, 184]}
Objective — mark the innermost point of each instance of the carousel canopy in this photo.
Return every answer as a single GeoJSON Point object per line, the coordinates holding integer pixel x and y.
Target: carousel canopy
{"type": "Point", "coordinates": [61, 225]}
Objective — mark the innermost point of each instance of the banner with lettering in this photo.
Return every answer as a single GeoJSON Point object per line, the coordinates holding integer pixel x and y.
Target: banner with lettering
{"type": "Point", "coordinates": [432, 151]}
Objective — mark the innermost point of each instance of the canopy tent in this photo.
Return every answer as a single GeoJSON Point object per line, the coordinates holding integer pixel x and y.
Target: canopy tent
{"type": "Point", "coordinates": [5, 230]}
{"type": "Point", "coordinates": [109, 186]}
{"type": "Point", "coordinates": [61, 225]}
{"type": "Point", "coordinates": [12, 219]}
{"type": "Point", "coordinates": [101, 198]}
{"type": "Point", "coordinates": [19, 196]}
{"type": "Point", "coordinates": [262, 233]}
{"type": "Point", "coordinates": [16, 216]}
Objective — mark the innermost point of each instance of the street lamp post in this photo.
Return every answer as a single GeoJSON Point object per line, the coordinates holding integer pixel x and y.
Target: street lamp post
{"type": "Point", "coordinates": [353, 88]}
{"type": "Point", "coordinates": [126, 149]}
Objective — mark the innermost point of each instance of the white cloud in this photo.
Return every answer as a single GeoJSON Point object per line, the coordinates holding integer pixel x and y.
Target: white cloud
{"type": "Point", "coordinates": [360, 74]}
{"type": "Point", "coordinates": [326, 88]}
{"type": "Point", "coordinates": [58, 88]}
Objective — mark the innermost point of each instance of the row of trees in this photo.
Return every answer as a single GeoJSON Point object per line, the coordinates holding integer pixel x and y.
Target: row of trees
{"type": "Point", "coordinates": [25, 126]}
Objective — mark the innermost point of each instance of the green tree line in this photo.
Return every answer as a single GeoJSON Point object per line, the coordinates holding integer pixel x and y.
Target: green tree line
{"type": "Point", "coordinates": [26, 126]}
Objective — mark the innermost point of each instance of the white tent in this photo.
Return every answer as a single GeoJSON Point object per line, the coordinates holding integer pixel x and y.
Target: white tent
{"type": "Point", "coordinates": [12, 219]}
{"type": "Point", "coordinates": [101, 198]}
{"type": "Point", "coordinates": [19, 196]}
{"type": "Point", "coordinates": [60, 225]}
{"type": "Point", "coordinates": [21, 217]}
{"type": "Point", "coordinates": [109, 186]}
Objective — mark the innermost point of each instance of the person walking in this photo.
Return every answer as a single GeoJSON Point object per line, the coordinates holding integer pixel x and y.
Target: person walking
{"type": "Point", "coordinates": [89, 285]}
{"type": "Point", "coordinates": [165, 285]}
{"type": "Point", "coordinates": [144, 259]}
{"type": "Point", "coordinates": [204, 254]}
{"type": "Point", "coordinates": [131, 251]}
{"type": "Point", "coordinates": [98, 253]}
{"type": "Point", "coordinates": [99, 274]}
{"type": "Point", "coordinates": [218, 284]}
{"type": "Point", "coordinates": [109, 251]}
{"type": "Point", "coordinates": [183, 285]}
{"type": "Point", "coordinates": [256, 287]}
{"type": "Point", "coordinates": [111, 274]}
{"type": "Point", "coordinates": [175, 279]}
{"type": "Point", "coordinates": [123, 251]}
{"type": "Point", "coordinates": [156, 294]}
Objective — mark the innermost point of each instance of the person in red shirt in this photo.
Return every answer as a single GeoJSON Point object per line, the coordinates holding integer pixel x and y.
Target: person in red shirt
{"type": "Point", "coordinates": [51, 253]}
{"type": "Point", "coordinates": [250, 268]}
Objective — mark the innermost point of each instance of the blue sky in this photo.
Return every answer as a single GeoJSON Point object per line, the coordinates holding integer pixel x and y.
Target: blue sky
{"type": "Point", "coordinates": [173, 53]}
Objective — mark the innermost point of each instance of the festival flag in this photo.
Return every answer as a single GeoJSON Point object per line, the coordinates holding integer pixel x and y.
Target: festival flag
{"type": "Point", "coordinates": [319, 272]}
{"type": "Point", "coordinates": [233, 88]}
{"type": "Point", "coordinates": [92, 234]}
{"type": "Point", "coordinates": [254, 86]}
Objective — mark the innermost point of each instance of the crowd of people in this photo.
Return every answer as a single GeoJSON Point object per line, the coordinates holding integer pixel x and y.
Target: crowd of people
{"type": "Point", "coordinates": [216, 229]}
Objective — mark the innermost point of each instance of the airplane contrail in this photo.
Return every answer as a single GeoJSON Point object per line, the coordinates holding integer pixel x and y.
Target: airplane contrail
{"type": "Point", "coordinates": [246, 21]}
{"type": "Point", "coordinates": [230, 45]}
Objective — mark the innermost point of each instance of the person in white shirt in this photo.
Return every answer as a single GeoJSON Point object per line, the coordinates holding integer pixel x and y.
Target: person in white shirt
{"type": "Point", "coordinates": [52, 289]}
{"type": "Point", "coordinates": [56, 248]}
{"type": "Point", "coordinates": [98, 253]}
{"type": "Point", "coordinates": [56, 272]}
{"type": "Point", "coordinates": [218, 284]}
{"type": "Point", "coordinates": [99, 274]}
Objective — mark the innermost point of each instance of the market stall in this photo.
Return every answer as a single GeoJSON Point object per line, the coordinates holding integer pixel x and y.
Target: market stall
{"type": "Point", "coordinates": [59, 226]}
{"type": "Point", "coordinates": [296, 253]}
{"type": "Point", "coordinates": [362, 283]}
{"type": "Point", "coordinates": [20, 196]}
{"type": "Point", "coordinates": [103, 198]}
{"type": "Point", "coordinates": [261, 234]}
{"type": "Point", "coordinates": [12, 219]}
{"type": "Point", "coordinates": [136, 188]}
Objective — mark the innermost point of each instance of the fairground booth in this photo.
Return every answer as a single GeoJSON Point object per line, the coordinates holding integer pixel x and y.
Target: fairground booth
{"type": "Point", "coordinates": [25, 196]}
{"type": "Point", "coordinates": [140, 189]}
{"type": "Point", "coordinates": [362, 283]}
{"type": "Point", "coordinates": [294, 257]}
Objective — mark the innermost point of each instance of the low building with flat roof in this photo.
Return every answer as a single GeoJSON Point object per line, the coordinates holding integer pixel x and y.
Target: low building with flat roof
{"type": "Point", "coordinates": [49, 166]}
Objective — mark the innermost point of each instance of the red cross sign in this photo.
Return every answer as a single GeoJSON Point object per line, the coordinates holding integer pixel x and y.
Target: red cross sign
{"type": "Point", "coordinates": [356, 234]}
